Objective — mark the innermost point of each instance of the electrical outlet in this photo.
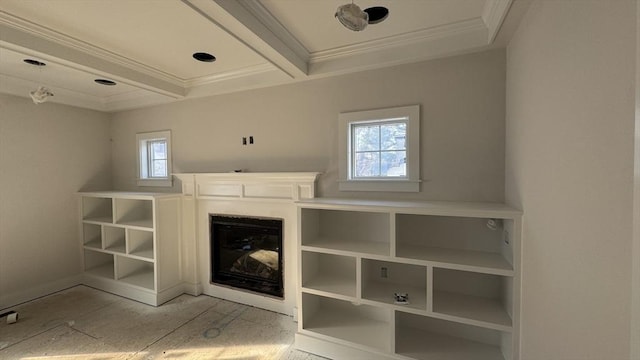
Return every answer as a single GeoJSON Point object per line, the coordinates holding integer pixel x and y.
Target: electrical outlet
{"type": "Point", "coordinates": [383, 272]}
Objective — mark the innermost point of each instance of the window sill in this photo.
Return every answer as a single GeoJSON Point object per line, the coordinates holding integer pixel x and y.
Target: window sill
{"type": "Point", "coordinates": [380, 185]}
{"type": "Point", "coordinates": [156, 182]}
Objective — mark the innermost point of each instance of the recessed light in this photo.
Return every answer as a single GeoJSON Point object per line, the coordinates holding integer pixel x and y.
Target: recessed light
{"type": "Point", "coordinates": [377, 14]}
{"type": "Point", "coordinates": [204, 57]}
{"type": "Point", "coordinates": [105, 82]}
{"type": "Point", "coordinates": [34, 62]}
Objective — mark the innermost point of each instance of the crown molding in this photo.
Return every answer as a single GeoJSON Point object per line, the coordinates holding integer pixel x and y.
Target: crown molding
{"type": "Point", "coordinates": [230, 75]}
{"type": "Point", "coordinates": [493, 15]}
{"type": "Point", "coordinates": [24, 34]}
{"type": "Point", "coordinates": [392, 43]}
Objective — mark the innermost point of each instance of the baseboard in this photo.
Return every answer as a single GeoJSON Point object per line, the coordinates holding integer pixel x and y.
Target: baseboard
{"type": "Point", "coordinates": [34, 292]}
{"type": "Point", "coordinates": [193, 289]}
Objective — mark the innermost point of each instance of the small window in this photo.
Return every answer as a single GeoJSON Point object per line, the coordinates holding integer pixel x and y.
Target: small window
{"type": "Point", "coordinates": [154, 158]}
{"type": "Point", "coordinates": [380, 150]}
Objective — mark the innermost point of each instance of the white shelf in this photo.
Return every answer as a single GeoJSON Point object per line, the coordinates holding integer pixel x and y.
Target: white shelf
{"type": "Point", "coordinates": [329, 273]}
{"type": "Point", "coordinates": [134, 212]}
{"type": "Point", "coordinates": [491, 263]}
{"type": "Point", "coordinates": [125, 251]}
{"type": "Point", "coordinates": [142, 278]}
{"type": "Point", "coordinates": [143, 253]}
{"type": "Point", "coordinates": [116, 249]}
{"type": "Point", "coordinates": [98, 220]}
{"type": "Point", "coordinates": [97, 209]}
{"type": "Point", "coordinates": [350, 248]}
{"type": "Point", "coordinates": [473, 310]}
{"type": "Point", "coordinates": [461, 277]}
{"type": "Point", "coordinates": [140, 223]}
{"type": "Point", "coordinates": [351, 323]}
{"type": "Point", "coordinates": [94, 244]}
{"type": "Point", "coordinates": [140, 243]}
{"type": "Point", "coordinates": [345, 232]}
{"type": "Point", "coordinates": [428, 345]}
{"type": "Point", "coordinates": [332, 285]}
{"type": "Point", "coordinates": [383, 293]}
{"type": "Point", "coordinates": [102, 271]}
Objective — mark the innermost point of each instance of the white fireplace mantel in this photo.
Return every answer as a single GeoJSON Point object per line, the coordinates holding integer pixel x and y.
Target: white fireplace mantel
{"type": "Point", "coordinates": [275, 186]}
{"type": "Point", "coordinates": [271, 195]}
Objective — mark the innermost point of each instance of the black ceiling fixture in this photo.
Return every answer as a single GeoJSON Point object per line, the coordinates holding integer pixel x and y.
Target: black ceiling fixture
{"type": "Point", "coordinates": [204, 57]}
{"type": "Point", "coordinates": [377, 14]}
{"type": "Point", "coordinates": [34, 62]}
{"type": "Point", "coordinates": [105, 82]}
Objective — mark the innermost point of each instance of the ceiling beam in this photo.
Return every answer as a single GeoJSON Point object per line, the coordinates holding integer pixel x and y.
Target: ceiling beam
{"type": "Point", "coordinates": [238, 21]}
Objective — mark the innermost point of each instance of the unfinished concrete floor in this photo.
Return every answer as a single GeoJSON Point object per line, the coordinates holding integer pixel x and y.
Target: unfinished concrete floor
{"type": "Point", "coordinates": [85, 323]}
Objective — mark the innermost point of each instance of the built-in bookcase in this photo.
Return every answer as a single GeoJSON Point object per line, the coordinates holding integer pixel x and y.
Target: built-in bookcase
{"type": "Point", "coordinates": [127, 239]}
{"type": "Point", "coordinates": [458, 264]}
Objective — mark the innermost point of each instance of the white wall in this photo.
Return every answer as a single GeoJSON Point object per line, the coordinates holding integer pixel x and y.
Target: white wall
{"type": "Point", "coordinates": [47, 153]}
{"type": "Point", "coordinates": [635, 286]}
{"type": "Point", "coordinates": [295, 127]}
{"type": "Point", "coordinates": [569, 166]}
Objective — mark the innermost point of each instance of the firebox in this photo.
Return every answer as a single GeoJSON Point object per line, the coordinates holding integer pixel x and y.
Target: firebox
{"type": "Point", "coordinates": [246, 253]}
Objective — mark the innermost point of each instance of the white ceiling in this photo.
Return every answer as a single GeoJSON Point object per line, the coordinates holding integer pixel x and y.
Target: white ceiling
{"type": "Point", "coordinates": [146, 46]}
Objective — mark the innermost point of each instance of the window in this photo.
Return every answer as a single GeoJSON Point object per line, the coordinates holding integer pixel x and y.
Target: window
{"type": "Point", "coordinates": [154, 158]}
{"type": "Point", "coordinates": [380, 150]}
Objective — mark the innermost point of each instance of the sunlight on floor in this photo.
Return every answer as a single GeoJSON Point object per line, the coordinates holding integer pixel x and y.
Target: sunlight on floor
{"type": "Point", "coordinates": [85, 323]}
{"type": "Point", "coordinates": [241, 352]}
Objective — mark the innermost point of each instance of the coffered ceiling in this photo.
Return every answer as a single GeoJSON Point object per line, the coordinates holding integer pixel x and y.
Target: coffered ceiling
{"type": "Point", "coordinates": [146, 46]}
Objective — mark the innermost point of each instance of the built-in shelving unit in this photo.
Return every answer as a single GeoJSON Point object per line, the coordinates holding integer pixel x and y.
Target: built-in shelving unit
{"type": "Point", "coordinates": [127, 239]}
{"type": "Point", "coordinates": [457, 262]}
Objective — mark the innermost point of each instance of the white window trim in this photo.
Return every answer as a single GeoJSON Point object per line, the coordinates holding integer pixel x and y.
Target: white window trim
{"type": "Point", "coordinates": [412, 181]}
{"type": "Point", "coordinates": [142, 138]}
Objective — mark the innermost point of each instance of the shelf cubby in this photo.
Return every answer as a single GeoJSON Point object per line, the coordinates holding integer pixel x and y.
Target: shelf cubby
{"type": "Point", "coordinates": [346, 232]}
{"type": "Point", "coordinates": [421, 337]}
{"type": "Point", "coordinates": [329, 273]}
{"type": "Point", "coordinates": [99, 264]}
{"type": "Point", "coordinates": [134, 212]}
{"type": "Point", "coordinates": [135, 272]}
{"type": "Point", "coordinates": [456, 242]}
{"type": "Point", "coordinates": [97, 209]}
{"type": "Point", "coordinates": [92, 235]}
{"type": "Point", "coordinates": [381, 279]}
{"type": "Point", "coordinates": [131, 243]}
{"type": "Point", "coordinates": [363, 325]}
{"type": "Point", "coordinates": [114, 239]}
{"type": "Point", "coordinates": [481, 299]}
{"type": "Point", "coordinates": [140, 243]}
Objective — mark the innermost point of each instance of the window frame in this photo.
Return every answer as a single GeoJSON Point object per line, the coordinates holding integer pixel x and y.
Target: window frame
{"type": "Point", "coordinates": [144, 159]}
{"type": "Point", "coordinates": [410, 182]}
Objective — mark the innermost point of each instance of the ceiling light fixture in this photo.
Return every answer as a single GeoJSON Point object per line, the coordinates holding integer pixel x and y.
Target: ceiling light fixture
{"type": "Point", "coordinates": [352, 17]}
{"type": "Point", "coordinates": [41, 94]}
{"type": "Point", "coordinates": [105, 82]}
{"type": "Point", "coordinates": [377, 14]}
{"type": "Point", "coordinates": [204, 57]}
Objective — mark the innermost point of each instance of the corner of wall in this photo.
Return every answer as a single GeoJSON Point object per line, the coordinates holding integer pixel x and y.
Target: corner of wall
{"type": "Point", "coordinates": [635, 257]}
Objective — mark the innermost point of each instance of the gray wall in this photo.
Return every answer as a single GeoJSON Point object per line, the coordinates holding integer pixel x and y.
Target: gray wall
{"type": "Point", "coordinates": [47, 153]}
{"type": "Point", "coordinates": [569, 165]}
{"type": "Point", "coordinates": [295, 127]}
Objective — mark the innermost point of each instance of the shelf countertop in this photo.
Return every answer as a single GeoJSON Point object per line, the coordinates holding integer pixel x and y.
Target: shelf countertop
{"type": "Point", "coordinates": [444, 208]}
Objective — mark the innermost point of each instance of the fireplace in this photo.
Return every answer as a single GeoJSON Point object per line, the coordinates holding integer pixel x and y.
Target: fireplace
{"type": "Point", "coordinates": [246, 253]}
